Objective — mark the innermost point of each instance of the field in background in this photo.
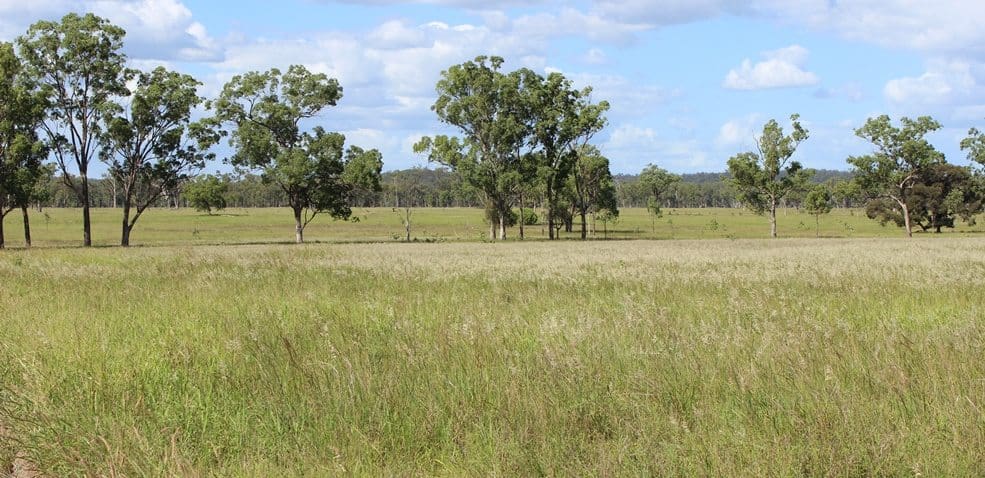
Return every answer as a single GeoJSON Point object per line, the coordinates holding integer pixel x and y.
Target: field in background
{"type": "Point", "coordinates": [692, 358]}
{"type": "Point", "coordinates": [63, 227]}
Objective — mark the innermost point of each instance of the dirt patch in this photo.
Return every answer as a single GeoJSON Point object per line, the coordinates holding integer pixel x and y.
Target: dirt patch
{"type": "Point", "coordinates": [20, 467]}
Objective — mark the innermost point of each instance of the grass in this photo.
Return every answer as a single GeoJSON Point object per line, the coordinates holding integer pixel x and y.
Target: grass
{"type": "Point", "coordinates": [718, 357]}
{"type": "Point", "coordinates": [63, 227]}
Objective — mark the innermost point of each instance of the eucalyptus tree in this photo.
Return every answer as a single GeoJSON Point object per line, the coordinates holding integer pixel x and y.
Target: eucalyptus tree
{"type": "Point", "coordinates": [817, 203]}
{"type": "Point", "coordinates": [79, 65]}
{"type": "Point", "coordinates": [492, 111]}
{"type": "Point", "coordinates": [592, 187]}
{"type": "Point", "coordinates": [893, 169]}
{"type": "Point", "coordinates": [206, 193]}
{"type": "Point", "coordinates": [22, 153]}
{"type": "Point", "coordinates": [150, 144]}
{"type": "Point", "coordinates": [266, 112]}
{"type": "Point", "coordinates": [563, 119]}
{"type": "Point", "coordinates": [763, 179]}
{"type": "Point", "coordinates": [975, 145]}
{"type": "Point", "coordinates": [657, 182]}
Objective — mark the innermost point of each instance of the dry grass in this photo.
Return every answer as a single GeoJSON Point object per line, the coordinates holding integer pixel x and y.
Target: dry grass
{"type": "Point", "coordinates": [717, 357]}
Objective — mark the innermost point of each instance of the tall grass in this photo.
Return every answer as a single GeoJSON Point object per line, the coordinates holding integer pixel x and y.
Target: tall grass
{"type": "Point", "coordinates": [752, 358]}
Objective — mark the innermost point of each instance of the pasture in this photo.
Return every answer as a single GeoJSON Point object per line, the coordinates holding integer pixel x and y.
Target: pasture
{"type": "Point", "coordinates": [715, 357]}
{"type": "Point", "coordinates": [62, 227]}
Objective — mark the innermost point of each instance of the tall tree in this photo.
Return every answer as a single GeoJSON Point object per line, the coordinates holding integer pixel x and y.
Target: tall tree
{"type": "Point", "coordinates": [266, 111]}
{"type": "Point", "coordinates": [563, 119]}
{"type": "Point", "coordinates": [762, 180]}
{"type": "Point", "coordinates": [592, 187]}
{"type": "Point", "coordinates": [891, 172]}
{"type": "Point", "coordinates": [22, 173]}
{"type": "Point", "coordinates": [492, 110]}
{"type": "Point", "coordinates": [79, 65]}
{"type": "Point", "coordinates": [150, 144]}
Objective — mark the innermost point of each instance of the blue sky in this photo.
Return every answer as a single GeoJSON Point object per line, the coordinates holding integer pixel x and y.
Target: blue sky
{"type": "Point", "coordinates": [690, 82]}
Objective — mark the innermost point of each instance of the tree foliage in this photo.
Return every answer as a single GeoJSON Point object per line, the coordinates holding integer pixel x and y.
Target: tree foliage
{"type": "Point", "coordinates": [266, 111]}
{"type": "Point", "coordinates": [763, 179]}
{"type": "Point", "coordinates": [150, 144]}
{"type": "Point", "coordinates": [817, 203]}
{"type": "Point", "coordinates": [207, 193]}
{"type": "Point", "coordinates": [22, 172]}
{"type": "Point", "coordinates": [79, 66]}
{"type": "Point", "coordinates": [889, 174]}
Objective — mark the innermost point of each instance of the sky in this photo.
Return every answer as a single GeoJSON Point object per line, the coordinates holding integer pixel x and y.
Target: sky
{"type": "Point", "coordinates": [689, 82]}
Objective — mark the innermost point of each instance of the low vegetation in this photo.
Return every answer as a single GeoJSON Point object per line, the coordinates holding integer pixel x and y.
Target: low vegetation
{"type": "Point", "coordinates": [718, 357]}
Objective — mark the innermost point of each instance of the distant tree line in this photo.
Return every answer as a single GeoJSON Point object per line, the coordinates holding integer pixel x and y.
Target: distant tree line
{"type": "Point", "coordinates": [68, 99]}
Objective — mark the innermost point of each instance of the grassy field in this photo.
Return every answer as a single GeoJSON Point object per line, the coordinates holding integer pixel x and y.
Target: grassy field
{"type": "Point", "coordinates": [840, 357]}
{"type": "Point", "coordinates": [63, 227]}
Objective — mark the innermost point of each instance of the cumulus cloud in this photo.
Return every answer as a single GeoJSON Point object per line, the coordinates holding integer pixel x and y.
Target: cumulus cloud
{"type": "Point", "coordinates": [738, 132]}
{"type": "Point", "coordinates": [781, 68]}
{"type": "Point", "coordinates": [943, 82]}
{"type": "Point", "coordinates": [630, 147]}
{"type": "Point", "coordinates": [162, 30]}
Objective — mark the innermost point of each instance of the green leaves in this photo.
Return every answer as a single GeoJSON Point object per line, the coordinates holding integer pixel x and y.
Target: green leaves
{"type": "Point", "coordinates": [265, 111]}
{"type": "Point", "coordinates": [762, 180]}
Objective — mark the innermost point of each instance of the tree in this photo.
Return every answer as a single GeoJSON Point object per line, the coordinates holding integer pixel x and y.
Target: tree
{"type": "Point", "coordinates": [816, 203]}
{"type": "Point", "coordinates": [207, 193]}
{"type": "Point", "coordinates": [887, 176]}
{"type": "Point", "coordinates": [657, 182]}
{"type": "Point", "coordinates": [941, 194]}
{"type": "Point", "coordinates": [79, 66]}
{"type": "Point", "coordinates": [975, 144]}
{"type": "Point", "coordinates": [592, 187]}
{"type": "Point", "coordinates": [22, 174]}
{"type": "Point", "coordinates": [563, 118]}
{"type": "Point", "coordinates": [266, 111]}
{"type": "Point", "coordinates": [762, 180]}
{"type": "Point", "coordinates": [492, 111]}
{"type": "Point", "coordinates": [150, 144]}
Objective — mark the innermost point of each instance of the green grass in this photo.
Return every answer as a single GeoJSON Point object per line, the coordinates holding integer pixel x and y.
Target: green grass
{"type": "Point", "coordinates": [834, 357]}
{"type": "Point", "coordinates": [63, 227]}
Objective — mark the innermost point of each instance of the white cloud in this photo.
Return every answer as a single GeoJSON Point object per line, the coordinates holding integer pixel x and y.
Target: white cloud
{"type": "Point", "coordinates": [595, 56]}
{"type": "Point", "coordinates": [781, 68]}
{"type": "Point", "coordinates": [162, 30]}
{"type": "Point", "coordinates": [630, 147]}
{"type": "Point", "coordinates": [738, 132]}
{"type": "Point", "coordinates": [942, 83]}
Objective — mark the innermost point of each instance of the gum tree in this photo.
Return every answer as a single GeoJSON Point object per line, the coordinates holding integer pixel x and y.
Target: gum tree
{"type": "Point", "coordinates": [492, 111]}
{"type": "Point", "coordinates": [564, 118]}
{"type": "Point", "coordinates": [765, 178]}
{"type": "Point", "coordinates": [656, 182]}
{"type": "Point", "coordinates": [893, 169]}
{"type": "Point", "coordinates": [592, 187]}
{"type": "Point", "coordinates": [817, 203]}
{"type": "Point", "coordinates": [150, 144]}
{"type": "Point", "coordinates": [78, 64]}
{"type": "Point", "coordinates": [266, 112]}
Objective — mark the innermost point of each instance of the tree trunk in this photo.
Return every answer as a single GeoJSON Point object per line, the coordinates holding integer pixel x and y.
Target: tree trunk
{"type": "Point", "coordinates": [125, 236]}
{"type": "Point", "coordinates": [27, 226]}
{"type": "Point", "coordinates": [550, 214]}
{"type": "Point", "coordinates": [86, 221]}
{"type": "Point", "coordinates": [521, 217]}
{"type": "Point", "coordinates": [817, 226]}
{"type": "Point", "coordinates": [407, 222]}
{"type": "Point", "coordinates": [584, 226]}
{"type": "Point", "coordinates": [773, 219]}
{"type": "Point", "coordinates": [502, 226]}
{"type": "Point", "coordinates": [2, 216]}
{"type": "Point", "coordinates": [298, 226]}
{"type": "Point", "coordinates": [906, 219]}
